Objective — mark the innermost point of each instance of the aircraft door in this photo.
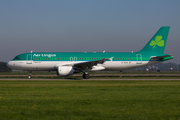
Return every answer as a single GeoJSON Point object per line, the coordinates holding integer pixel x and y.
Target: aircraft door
{"type": "Point", "coordinates": [73, 59]}
{"type": "Point", "coordinates": [29, 59]}
{"type": "Point", "coordinates": [139, 58]}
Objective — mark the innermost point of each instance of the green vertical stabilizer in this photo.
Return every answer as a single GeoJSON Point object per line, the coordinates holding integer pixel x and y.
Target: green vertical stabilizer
{"type": "Point", "coordinates": [158, 41]}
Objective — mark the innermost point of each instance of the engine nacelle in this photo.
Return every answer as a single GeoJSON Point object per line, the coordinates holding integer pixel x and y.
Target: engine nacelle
{"type": "Point", "coordinates": [65, 70]}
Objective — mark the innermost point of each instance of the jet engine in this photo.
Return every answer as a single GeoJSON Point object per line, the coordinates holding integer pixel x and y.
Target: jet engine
{"type": "Point", "coordinates": [65, 70]}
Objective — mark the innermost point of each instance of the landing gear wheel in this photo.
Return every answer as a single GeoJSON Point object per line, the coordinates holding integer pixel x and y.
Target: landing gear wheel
{"type": "Point", "coordinates": [86, 76]}
{"type": "Point", "coordinates": [29, 77]}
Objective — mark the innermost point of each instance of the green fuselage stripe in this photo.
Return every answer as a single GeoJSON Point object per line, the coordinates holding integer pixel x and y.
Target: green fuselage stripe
{"type": "Point", "coordinates": [70, 56]}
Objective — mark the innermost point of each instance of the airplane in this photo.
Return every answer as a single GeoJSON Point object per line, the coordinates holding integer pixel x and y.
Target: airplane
{"type": "Point", "coordinates": [69, 63]}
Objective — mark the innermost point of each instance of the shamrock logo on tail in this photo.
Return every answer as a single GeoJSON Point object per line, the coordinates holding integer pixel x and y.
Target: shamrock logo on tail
{"type": "Point", "coordinates": [158, 41]}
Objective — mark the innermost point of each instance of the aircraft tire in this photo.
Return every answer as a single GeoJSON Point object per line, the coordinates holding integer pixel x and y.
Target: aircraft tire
{"type": "Point", "coordinates": [29, 77]}
{"type": "Point", "coordinates": [86, 76]}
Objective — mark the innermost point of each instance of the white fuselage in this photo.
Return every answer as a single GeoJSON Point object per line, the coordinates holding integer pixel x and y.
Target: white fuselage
{"type": "Point", "coordinates": [52, 65]}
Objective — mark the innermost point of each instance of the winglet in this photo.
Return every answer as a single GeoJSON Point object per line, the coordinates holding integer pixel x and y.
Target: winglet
{"type": "Point", "coordinates": [111, 58]}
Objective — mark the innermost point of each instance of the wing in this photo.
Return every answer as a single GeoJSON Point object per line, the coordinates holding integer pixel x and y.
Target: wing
{"type": "Point", "coordinates": [88, 65]}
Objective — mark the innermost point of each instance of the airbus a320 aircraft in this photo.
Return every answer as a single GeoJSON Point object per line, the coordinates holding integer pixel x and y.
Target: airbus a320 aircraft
{"type": "Point", "coordinates": [69, 63]}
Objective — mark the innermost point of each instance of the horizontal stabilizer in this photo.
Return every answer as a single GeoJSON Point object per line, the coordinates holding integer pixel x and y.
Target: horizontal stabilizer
{"type": "Point", "coordinates": [160, 57]}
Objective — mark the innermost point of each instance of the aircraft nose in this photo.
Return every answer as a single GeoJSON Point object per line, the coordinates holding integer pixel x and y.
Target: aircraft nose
{"type": "Point", "coordinates": [9, 64]}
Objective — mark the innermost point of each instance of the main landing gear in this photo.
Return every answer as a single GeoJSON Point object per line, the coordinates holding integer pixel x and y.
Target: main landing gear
{"type": "Point", "coordinates": [29, 76]}
{"type": "Point", "coordinates": [86, 75]}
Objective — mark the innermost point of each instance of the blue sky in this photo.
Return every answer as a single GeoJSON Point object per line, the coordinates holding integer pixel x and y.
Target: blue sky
{"type": "Point", "coordinates": [85, 25]}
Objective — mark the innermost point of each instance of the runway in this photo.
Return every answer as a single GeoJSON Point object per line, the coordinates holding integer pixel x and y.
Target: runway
{"type": "Point", "coordinates": [87, 79]}
{"type": "Point", "coordinates": [97, 75]}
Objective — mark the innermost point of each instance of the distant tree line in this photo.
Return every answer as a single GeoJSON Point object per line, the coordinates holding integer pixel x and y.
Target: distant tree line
{"type": "Point", "coordinates": [162, 67]}
{"type": "Point", "coordinates": [4, 67]}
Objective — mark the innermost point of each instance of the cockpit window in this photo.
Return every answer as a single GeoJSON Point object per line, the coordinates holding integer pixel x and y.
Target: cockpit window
{"type": "Point", "coordinates": [16, 58]}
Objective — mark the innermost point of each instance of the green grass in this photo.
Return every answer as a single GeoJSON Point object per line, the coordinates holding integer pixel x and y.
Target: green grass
{"type": "Point", "coordinates": [89, 100]}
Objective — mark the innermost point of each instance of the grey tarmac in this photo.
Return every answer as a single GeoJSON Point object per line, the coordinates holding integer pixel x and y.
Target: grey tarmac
{"type": "Point", "coordinates": [87, 79]}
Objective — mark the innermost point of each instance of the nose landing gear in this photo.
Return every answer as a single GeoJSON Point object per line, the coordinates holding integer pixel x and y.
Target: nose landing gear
{"type": "Point", "coordinates": [29, 76]}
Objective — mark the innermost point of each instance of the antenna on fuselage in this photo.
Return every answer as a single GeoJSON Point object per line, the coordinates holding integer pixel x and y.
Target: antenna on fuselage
{"type": "Point", "coordinates": [104, 51]}
{"type": "Point", "coordinates": [31, 51]}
